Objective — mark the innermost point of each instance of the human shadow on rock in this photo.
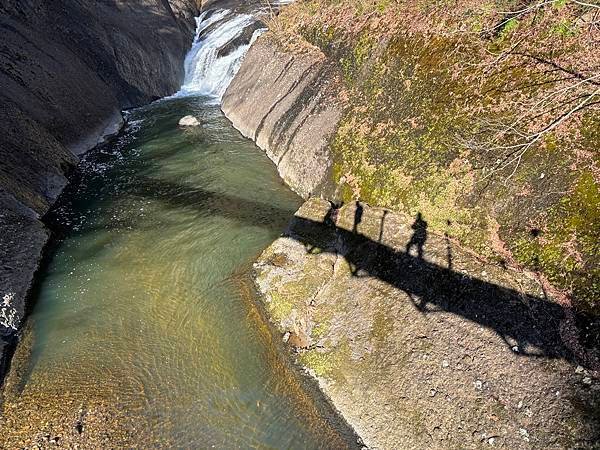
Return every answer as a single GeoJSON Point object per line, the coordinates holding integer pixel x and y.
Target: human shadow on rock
{"type": "Point", "coordinates": [529, 325]}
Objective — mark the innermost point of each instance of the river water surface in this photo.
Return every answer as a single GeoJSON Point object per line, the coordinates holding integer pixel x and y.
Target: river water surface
{"type": "Point", "coordinates": [145, 305]}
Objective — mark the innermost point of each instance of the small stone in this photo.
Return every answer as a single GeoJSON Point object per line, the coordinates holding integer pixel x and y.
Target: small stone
{"type": "Point", "coordinates": [587, 380]}
{"type": "Point", "coordinates": [478, 384]}
{"type": "Point", "coordinates": [445, 363]}
{"type": "Point", "coordinates": [542, 175]}
{"type": "Point", "coordinates": [515, 349]}
{"type": "Point", "coordinates": [189, 121]}
{"type": "Point", "coordinates": [491, 441]}
{"type": "Point", "coordinates": [299, 340]}
{"type": "Point", "coordinates": [432, 393]}
{"type": "Point", "coordinates": [579, 369]}
{"type": "Point", "coordinates": [524, 434]}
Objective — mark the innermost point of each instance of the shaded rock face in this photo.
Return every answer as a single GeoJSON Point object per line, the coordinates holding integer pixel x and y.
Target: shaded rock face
{"type": "Point", "coordinates": [67, 69]}
{"type": "Point", "coordinates": [420, 344]}
{"type": "Point", "coordinates": [287, 104]}
{"type": "Point", "coordinates": [72, 67]}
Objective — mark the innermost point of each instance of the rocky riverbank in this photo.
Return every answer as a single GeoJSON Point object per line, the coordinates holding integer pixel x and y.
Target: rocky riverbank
{"type": "Point", "coordinates": [421, 344]}
{"type": "Point", "coordinates": [66, 72]}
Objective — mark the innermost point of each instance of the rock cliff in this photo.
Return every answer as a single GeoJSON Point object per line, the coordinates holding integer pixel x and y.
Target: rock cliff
{"type": "Point", "coordinates": [287, 103]}
{"type": "Point", "coordinates": [420, 320]}
{"type": "Point", "coordinates": [67, 69]}
{"type": "Point", "coordinates": [494, 131]}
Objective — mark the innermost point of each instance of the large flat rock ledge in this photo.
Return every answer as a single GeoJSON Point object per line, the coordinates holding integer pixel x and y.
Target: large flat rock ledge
{"type": "Point", "coordinates": [421, 344]}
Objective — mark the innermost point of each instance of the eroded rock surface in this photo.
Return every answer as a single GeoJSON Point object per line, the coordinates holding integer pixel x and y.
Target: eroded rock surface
{"type": "Point", "coordinates": [439, 351]}
{"type": "Point", "coordinates": [288, 105]}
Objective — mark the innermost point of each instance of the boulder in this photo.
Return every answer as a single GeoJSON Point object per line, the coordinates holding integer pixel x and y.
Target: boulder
{"type": "Point", "coordinates": [189, 121]}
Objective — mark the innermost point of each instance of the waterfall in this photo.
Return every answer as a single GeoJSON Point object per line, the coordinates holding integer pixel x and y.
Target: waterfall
{"type": "Point", "coordinates": [207, 73]}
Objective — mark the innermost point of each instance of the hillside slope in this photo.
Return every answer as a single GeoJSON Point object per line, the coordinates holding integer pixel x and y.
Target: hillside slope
{"type": "Point", "coordinates": [483, 117]}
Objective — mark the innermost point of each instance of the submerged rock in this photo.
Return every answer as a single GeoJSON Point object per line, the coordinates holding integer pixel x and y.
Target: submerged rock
{"type": "Point", "coordinates": [189, 121]}
{"type": "Point", "coordinates": [413, 344]}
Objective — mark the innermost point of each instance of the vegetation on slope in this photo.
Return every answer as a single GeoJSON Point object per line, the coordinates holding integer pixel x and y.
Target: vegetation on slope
{"type": "Point", "coordinates": [483, 116]}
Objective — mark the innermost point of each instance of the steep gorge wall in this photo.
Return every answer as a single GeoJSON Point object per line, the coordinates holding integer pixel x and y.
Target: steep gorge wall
{"type": "Point", "coordinates": [459, 347]}
{"type": "Point", "coordinates": [287, 103]}
{"type": "Point", "coordinates": [67, 69]}
{"type": "Point", "coordinates": [454, 124]}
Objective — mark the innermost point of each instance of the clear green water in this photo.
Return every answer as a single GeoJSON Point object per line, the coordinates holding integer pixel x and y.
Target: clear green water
{"type": "Point", "coordinates": [143, 303]}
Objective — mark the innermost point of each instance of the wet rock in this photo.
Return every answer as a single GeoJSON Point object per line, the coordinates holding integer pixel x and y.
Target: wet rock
{"type": "Point", "coordinates": [241, 39]}
{"type": "Point", "coordinates": [189, 121]}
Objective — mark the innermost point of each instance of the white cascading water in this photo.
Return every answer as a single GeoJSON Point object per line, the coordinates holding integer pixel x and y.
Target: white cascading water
{"type": "Point", "coordinates": [205, 73]}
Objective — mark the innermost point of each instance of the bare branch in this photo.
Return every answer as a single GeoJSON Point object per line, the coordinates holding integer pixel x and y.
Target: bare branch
{"type": "Point", "coordinates": [585, 4]}
{"type": "Point", "coordinates": [519, 150]}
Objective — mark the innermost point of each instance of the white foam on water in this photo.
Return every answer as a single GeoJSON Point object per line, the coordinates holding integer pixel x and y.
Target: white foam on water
{"type": "Point", "coordinates": [205, 73]}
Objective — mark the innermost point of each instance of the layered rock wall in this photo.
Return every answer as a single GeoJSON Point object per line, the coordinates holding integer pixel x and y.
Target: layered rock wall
{"type": "Point", "coordinates": [288, 104]}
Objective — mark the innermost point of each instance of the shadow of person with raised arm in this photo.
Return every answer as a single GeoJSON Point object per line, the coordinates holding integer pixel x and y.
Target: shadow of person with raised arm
{"type": "Point", "coordinates": [419, 236]}
{"type": "Point", "coordinates": [331, 217]}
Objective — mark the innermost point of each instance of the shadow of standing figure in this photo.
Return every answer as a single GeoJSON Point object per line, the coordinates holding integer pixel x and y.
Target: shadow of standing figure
{"type": "Point", "coordinates": [448, 245]}
{"type": "Point", "coordinates": [330, 218]}
{"type": "Point", "coordinates": [385, 213]}
{"type": "Point", "coordinates": [419, 236]}
{"type": "Point", "coordinates": [358, 213]}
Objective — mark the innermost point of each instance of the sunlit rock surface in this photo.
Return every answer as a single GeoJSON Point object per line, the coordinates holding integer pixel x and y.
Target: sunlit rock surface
{"type": "Point", "coordinates": [438, 351]}
{"type": "Point", "coordinates": [289, 105]}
